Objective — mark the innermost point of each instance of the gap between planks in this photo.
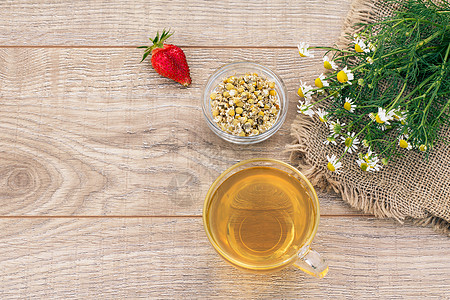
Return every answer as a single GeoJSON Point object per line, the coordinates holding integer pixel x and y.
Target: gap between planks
{"type": "Point", "coordinates": [157, 216]}
{"type": "Point", "coordinates": [134, 47]}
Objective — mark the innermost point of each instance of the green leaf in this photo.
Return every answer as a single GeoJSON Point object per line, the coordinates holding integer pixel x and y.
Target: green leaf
{"type": "Point", "coordinates": [145, 55]}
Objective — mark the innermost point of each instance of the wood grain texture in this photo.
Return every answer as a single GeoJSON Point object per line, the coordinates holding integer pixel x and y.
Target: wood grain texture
{"type": "Point", "coordinates": [171, 258]}
{"type": "Point", "coordinates": [92, 132]}
{"type": "Point", "coordinates": [87, 131]}
{"type": "Point", "coordinates": [200, 22]}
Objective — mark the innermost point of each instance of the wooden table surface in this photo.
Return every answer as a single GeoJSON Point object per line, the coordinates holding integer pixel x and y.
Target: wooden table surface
{"type": "Point", "coordinates": [104, 164]}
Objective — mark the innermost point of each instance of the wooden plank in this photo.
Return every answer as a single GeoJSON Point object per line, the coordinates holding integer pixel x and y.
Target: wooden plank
{"type": "Point", "coordinates": [199, 22]}
{"type": "Point", "coordinates": [171, 258]}
{"type": "Point", "coordinates": [92, 132]}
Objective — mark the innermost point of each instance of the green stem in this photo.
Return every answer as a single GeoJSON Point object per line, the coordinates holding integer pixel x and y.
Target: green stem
{"type": "Point", "coordinates": [411, 19]}
{"type": "Point", "coordinates": [388, 147]}
{"type": "Point", "coordinates": [436, 89]}
{"type": "Point", "coordinates": [415, 98]}
{"type": "Point", "coordinates": [330, 95]}
{"type": "Point", "coordinates": [365, 106]}
{"type": "Point", "coordinates": [378, 140]}
{"type": "Point", "coordinates": [442, 73]}
{"type": "Point", "coordinates": [429, 39]}
{"type": "Point", "coordinates": [384, 56]}
{"type": "Point", "coordinates": [418, 87]}
{"type": "Point", "coordinates": [331, 49]}
{"type": "Point", "coordinates": [367, 125]}
{"type": "Point", "coordinates": [426, 136]}
{"type": "Point", "coordinates": [398, 97]}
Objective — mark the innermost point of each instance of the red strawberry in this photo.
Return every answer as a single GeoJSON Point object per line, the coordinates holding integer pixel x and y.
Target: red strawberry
{"type": "Point", "coordinates": [168, 60]}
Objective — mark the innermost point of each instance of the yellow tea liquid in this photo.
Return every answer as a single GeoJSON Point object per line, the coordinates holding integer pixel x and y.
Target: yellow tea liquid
{"type": "Point", "coordinates": [260, 217]}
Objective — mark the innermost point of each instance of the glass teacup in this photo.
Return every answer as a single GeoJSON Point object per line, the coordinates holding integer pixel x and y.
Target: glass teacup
{"type": "Point", "coordinates": [262, 215]}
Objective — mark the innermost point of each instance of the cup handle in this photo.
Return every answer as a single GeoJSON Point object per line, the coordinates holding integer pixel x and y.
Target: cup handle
{"type": "Point", "coordinates": [312, 263]}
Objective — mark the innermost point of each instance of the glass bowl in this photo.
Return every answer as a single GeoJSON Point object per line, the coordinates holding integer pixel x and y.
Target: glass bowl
{"type": "Point", "coordinates": [241, 68]}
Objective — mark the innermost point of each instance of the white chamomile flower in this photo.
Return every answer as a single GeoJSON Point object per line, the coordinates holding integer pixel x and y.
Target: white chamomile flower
{"type": "Point", "coordinates": [360, 46]}
{"type": "Point", "coordinates": [384, 116]}
{"type": "Point", "coordinates": [383, 126]}
{"type": "Point", "coordinates": [362, 164]}
{"type": "Point", "coordinates": [351, 142]}
{"type": "Point", "coordinates": [404, 143]}
{"type": "Point", "coordinates": [349, 104]}
{"type": "Point", "coordinates": [371, 47]}
{"type": "Point", "coordinates": [320, 81]}
{"type": "Point", "coordinates": [336, 127]}
{"type": "Point", "coordinates": [345, 75]}
{"type": "Point", "coordinates": [305, 107]}
{"type": "Point", "coordinates": [369, 161]}
{"type": "Point", "coordinates": [329, 64]}
{"type": "Point", "coordinates": [333, 164]}
{"type": "Point", "coordinates": [330, 139]}
{"type": "Point", "coordinates": [401, 115]}
{"type": "Point", "coordinates": [304, 90]}
{"type": "Point", "coordinates": [368, 166]}
{"type": "Point", "coordinates": [369, 59]}
{"type": "Point", "coordinates": [303, 50]}
{"type": "Point", "coordinates": [370, 153]}
{"type": "Point", "coordinates": [322, 114]}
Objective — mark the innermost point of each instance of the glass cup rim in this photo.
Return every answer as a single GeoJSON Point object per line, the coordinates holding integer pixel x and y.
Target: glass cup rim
{"type": "Point", "coordinates": [301, 250]}
{"type": "Point", "coordinates": [284, 103]}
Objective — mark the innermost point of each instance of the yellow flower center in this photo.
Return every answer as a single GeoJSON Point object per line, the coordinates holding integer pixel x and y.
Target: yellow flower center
{"type": "Point", "coordinates": [347, 106]}
{"type": "Point", "coordinates": [331, 167]}
{"type": "Point", "coordinates": [365, 143]}
{"type": "Point", "coordinates": [342, 77]}
{"type": "Point", "coordinates": [318, 83]}
{"type": "Point", "coordinates": [301, 54]}
{"type": "Point", "coordinates": [300, 92]}
{"type": "Point", "coordinates": [423, 148]}
{"type": "Point", "coordinates": [358, 48]}
{"type": "Point", "coordinates": [348, 142]}
{"type": "Point", "coordinates": [377, 118]}
{"type": "Point", "coordinates": [403, 144]}
{"type": "Point", "coordinates": [364, 166]}
{"type": "Point", "coordinates": [327, 65]}
{"type": "Point", "coordinates": [322, 119]}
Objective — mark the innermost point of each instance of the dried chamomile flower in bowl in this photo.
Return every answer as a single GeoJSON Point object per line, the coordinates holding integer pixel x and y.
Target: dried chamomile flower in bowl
{"type": "Point", "coordinates": [244, 103]}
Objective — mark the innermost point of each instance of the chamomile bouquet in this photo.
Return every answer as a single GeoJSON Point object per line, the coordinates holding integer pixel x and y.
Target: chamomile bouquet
{"type": "Point", "coordinates": [388, 91]}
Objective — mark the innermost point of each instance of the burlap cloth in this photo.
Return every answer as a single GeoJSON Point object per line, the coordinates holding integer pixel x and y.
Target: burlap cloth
{"type": "Point", "coordinates": [408, 188]}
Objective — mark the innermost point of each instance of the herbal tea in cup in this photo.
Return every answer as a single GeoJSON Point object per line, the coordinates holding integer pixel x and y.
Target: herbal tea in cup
{"type": "Point", "coordinates": [261, 215]}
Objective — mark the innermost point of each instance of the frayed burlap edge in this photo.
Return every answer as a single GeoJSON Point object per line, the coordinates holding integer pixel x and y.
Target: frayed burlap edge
{"type": "Point", "coordinates": [320, 178]}
{"type": "Point", "coordinates": [361, 11]}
